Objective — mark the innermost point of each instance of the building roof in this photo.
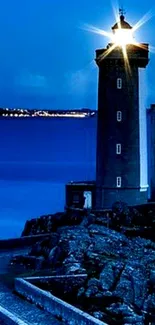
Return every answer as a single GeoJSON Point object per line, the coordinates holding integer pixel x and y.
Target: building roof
{"type": "Point", "coordinates": [83, 183]}
{"type": "Point", "coordinates": [121, 24]}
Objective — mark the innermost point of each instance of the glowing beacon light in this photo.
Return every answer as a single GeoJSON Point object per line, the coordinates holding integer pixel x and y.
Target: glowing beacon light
{"type": "Point", "coordinates": [122, 32]}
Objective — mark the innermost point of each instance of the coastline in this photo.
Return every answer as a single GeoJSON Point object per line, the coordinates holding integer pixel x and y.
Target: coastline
{"type": "Point", "coordinates": [95, 244]}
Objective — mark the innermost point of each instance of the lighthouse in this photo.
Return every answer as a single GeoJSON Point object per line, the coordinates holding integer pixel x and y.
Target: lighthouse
{"type": "Point", "coordinates": [120, 153]}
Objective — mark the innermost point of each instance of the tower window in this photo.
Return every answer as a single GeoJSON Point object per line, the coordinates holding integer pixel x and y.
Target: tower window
{"type": "Point", "coordinates": [75, 198]}
{"type": "Point", "coordinates": [119, 83]}
{"type": "Point", "coordinates": [118, 148]}
{"type": "Point", "coordinates": [119, 181]}
{"type": "Point", "coordinates": [119, 116]}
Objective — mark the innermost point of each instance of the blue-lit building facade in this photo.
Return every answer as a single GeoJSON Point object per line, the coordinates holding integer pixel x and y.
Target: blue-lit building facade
{"type": "Point", "coordinates": [151, 151]}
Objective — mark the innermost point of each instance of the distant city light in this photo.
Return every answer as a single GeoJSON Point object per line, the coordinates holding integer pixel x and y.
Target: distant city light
{"type": "Point", "coordinates": [77, 113]}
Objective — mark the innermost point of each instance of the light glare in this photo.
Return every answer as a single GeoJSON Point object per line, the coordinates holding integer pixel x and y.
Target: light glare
{"type": "Point", "coordinates": [122, 37]}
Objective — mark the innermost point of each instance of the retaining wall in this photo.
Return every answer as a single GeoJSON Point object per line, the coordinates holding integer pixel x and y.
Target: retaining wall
{"type": "Point", "coordinates": [22, 241]}
{"type": "Point", "coordinates": [54, 305]}
{"type": "Point", "coordinates": [76, 279]}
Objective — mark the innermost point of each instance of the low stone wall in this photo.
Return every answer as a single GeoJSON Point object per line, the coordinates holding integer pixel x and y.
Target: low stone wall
{"type": "Point", "coordinates": [54, 305]}
{"type": "Point", "coordinates": [22, 241]}
{"type": "Point", "coordinates": [61, 279]}
{"type": "Point", "coordinates": [9, 319]}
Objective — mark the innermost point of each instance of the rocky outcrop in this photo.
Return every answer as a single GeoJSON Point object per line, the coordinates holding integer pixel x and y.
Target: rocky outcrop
{"type": "Point", "coordinates": [120, 269]}
{"type": "Point", "coordinates": [50, 223]}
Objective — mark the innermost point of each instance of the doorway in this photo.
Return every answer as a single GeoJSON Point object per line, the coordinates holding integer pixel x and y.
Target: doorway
{"type": "Point", "coordinates": [88, 199]}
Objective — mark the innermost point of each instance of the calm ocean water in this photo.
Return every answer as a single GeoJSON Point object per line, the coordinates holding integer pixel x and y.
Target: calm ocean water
{"type": "Point", "coordinates": [37, 158]}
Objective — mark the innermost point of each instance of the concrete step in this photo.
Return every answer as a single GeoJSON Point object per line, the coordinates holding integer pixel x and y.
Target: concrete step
{"type": "Point", "coordinates": [24, 310]}
{"type": "Point", "coordinates": [7, 318]}
{"type": "Point", "coordinates": [21, 309]}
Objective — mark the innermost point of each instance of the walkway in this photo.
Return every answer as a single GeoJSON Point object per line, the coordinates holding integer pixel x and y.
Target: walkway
{"type": "Point", "coordinates": [22, 309]}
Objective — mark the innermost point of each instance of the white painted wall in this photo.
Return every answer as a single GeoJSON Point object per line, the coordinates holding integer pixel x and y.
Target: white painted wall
{"type": "Point", "coordinates": [143, 130]}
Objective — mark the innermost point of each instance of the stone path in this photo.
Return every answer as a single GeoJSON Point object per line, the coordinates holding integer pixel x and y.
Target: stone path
{"type": "Point", "coordinates": [22, 309]}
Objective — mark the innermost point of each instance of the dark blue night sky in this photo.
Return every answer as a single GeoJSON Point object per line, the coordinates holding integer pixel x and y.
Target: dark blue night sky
{"type": "Point", "coordinates": [46, 58]}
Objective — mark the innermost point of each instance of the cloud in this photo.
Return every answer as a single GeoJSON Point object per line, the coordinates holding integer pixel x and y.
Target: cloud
{"type": "Point", "coordinates": [30, 80]}
{"type": "Point", "coordinates": [80, 82]}
{"type": "Point", "coordinates": [55, 90]}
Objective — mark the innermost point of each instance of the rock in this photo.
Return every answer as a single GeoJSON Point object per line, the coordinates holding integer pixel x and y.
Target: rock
{"type": "Point", "coordinates": [38, 262]}
{"type": "Point", "coordinates": [94, 261]}
{"type": "Point", "coordinates": [149, 304]}
{"type": "Point", "coordinates": [102, 316]}
{"type": "Point", "coordinates": [132, 285]}
{"type": "Point", "coordinates": [84, 222]}
{"type": "Point", "coordinates": [121, 214]}
{"type": "Point", "coordinates": [100, 294]}
{"type": "Point", "coordinates": [18, 259]}
{"type": "Point", "coordinates": [81, 292]}
{"type": "Point", "coordinates": [93, 288]}
{"type": "Point", "coordinates": [32, 262]}
{"type": "Point", "coordinates": [99, 314]}
{"type": "Point", "coordinates": [75, 217]}
{"type": "Point", "coordinates": [137, 217]}
{"type": "Point", "coordinates": [93, 282]}
{"type": "Point", "coordinates": [120, 270]}
{"type": "Point", "coordinates": [118, 308]}
{"type": "Point", "coordinates": [45, 224]}
{"type": "Point", "coordinates": [103, 218]}
{"type": "Point", "coordinates": [54, 256]}
{"type": "Point", "coordinates": [53, 240]}
{"type": "Point", "coordinates": [125, 313]}
{"type": "Point", "coordinates": [74, 268]}
{"type": "Point", "coordinates": [152, 278]}
{"type": "Point", "coordinates": [70, 260]}
{"type": "Point", "coordinates": [110, 234]}
{"type": "Point", "coordinates": [27, 229]}
{"type": "Point", "coordinates": [88, 220]}
{"type": "Point", "coordinates": [135, 319]}
{"type": "Point", "coordinates": [120, 207]}
{"type": "Point", "coordinates": [74, 241]}
{"type": "Point", "coordinates": [36, 249]}
{"type": "Point", "coordinates": [91, 291]}
{"type": "Point", "coordinates": [107, 278]}
{"type": "Point", "coordinates": [108, 243]}
{"type": "Point", "coordinates": [42, 248]}
{"type": "Point", "coordinates": [109, 274]}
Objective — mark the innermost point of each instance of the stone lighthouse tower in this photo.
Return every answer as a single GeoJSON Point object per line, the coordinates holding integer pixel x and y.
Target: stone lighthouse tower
{"type": "Point", "coordinates": [119, 151]}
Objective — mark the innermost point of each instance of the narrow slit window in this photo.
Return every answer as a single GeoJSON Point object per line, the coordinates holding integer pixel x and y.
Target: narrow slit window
{"type": "Point", "coordinates": [119, 116]}
{"type": "Point", "coordinates": [118, 148]}
{"type": "Point", "coordinates": [119, 181]}
{"type": "Point", "coordinates": [119, 83]}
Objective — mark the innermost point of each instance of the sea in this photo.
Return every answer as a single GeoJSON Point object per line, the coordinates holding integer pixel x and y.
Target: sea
{"type": "Point", "coordinates": [38, 156]}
